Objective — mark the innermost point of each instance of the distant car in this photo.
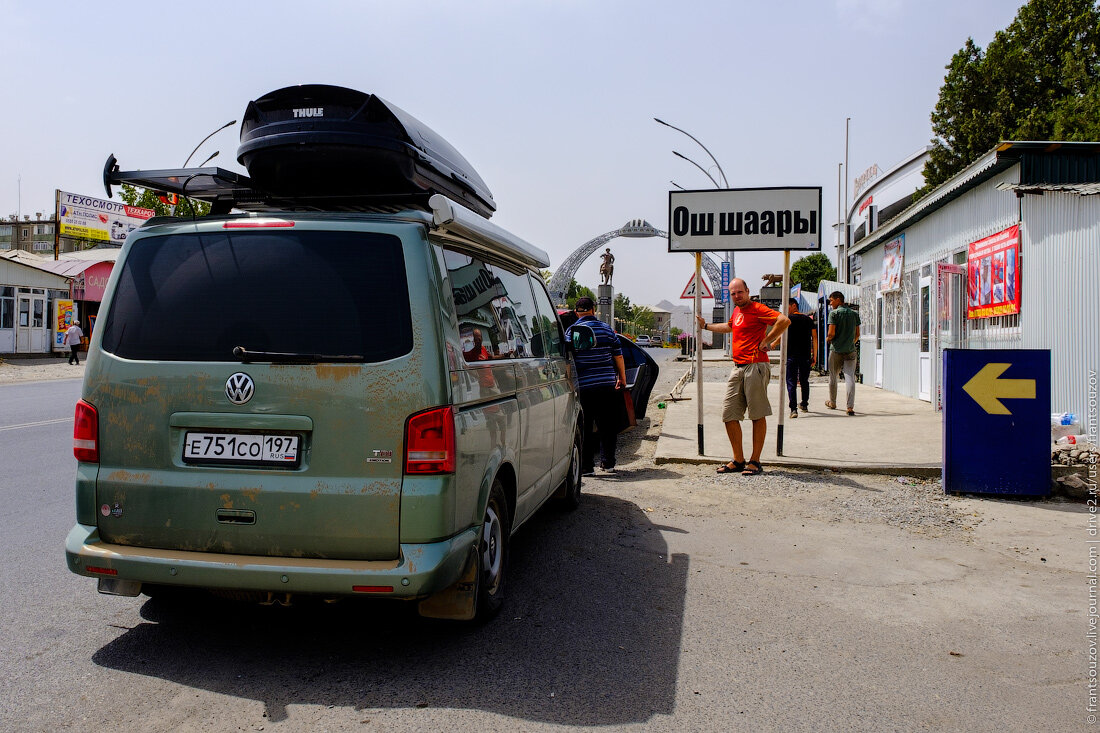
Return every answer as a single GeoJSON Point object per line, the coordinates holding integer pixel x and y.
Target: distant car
{"type": "Point", "coordinates": [644, 341]}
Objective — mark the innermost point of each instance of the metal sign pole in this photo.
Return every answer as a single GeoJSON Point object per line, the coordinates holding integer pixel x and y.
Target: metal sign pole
{"type": "Point", "coordinates": [699, 347]}
{"type": "Point", "coordinates": [783, 352]}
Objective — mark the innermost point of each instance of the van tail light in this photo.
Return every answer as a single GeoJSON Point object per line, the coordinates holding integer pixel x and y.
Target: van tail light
{"type": "Point", "coordinates": [430, 442]}
{"type": "Point", "coordinates": [86, 433]}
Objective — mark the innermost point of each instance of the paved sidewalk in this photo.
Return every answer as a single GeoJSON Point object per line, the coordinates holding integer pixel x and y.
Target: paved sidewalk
{"type": "Point", "coordinates": [889, 434]}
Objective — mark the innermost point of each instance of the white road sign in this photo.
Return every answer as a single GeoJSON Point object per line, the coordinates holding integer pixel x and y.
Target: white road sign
{"type": "Point", "coordinates": [737, 219]}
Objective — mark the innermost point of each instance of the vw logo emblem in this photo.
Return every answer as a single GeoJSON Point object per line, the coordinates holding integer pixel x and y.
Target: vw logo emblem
{"type": "Point", "coordinates": [239, 388]}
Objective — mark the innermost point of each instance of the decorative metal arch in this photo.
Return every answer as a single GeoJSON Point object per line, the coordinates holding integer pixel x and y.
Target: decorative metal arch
{"type": "Point", "coordinates": [637, 228]}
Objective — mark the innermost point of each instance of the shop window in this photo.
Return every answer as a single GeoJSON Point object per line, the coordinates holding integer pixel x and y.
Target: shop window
{"type": "Point", "coordinates": [7, 306]}
{"type": "Point", "coordinates": [912, 293]}
{"type": "Point", "coordinates": [878, 324]}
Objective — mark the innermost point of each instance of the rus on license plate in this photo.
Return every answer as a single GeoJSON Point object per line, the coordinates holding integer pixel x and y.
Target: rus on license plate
{"type": "Point", "coordinates": [240, 448]}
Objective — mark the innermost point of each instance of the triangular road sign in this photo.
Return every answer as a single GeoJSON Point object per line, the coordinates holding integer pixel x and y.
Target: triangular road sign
{"type": "Point", "coordinates": [689, 290]}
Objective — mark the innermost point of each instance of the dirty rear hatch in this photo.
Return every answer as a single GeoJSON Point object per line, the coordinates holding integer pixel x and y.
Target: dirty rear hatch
{"type": "Point", "coordinates": [252, 391]}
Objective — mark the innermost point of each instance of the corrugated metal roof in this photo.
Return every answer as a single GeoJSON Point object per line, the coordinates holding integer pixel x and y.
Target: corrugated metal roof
{"type": "Point", "coordinates": [1084, 189]}
{"type": "Point", "coordinates": [1049, 162]}
{"type": "Point", "coordinates": [981, 170]}
{"type": "Point", "coordinates": [64, 268]}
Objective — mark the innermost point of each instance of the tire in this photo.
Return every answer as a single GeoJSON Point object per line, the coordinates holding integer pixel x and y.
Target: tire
{"type": "Point", "coordinates": [492, 555]}
{"type": "Point", "coordinates": [570, 497]}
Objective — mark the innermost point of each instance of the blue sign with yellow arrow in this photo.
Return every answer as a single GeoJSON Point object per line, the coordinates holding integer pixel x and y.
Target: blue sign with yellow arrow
{"type": "Point", "coordinates": [996, 421]}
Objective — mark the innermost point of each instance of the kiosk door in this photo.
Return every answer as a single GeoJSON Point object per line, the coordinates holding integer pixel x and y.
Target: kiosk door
{"type": "Point", "coordinates": [878, 340]}
{"type": "Point", "coordinates": [30, 323]}
{"type": "Point", "coordinates": [925, 388]}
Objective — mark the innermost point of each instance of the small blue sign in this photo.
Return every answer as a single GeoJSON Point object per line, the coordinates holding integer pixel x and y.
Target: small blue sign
{"type": "Point", "coordinates": [725, 282]}
{"type": "Point", "coordinates": [996, 421]}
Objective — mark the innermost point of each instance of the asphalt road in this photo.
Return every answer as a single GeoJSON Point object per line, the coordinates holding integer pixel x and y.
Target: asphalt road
{"type": "Point", "coordinates": [672, 600]}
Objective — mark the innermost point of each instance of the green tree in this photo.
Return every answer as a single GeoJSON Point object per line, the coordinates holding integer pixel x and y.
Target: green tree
{"type": "Point", "coordinates": [147, 199]}
{"type": "Point", "coordinates": [1039, 79]}
{"type": "Point", "coordinates": [644, 318]}
{"type": "Point", "coordinates": [576, 290]}
{"type": "Point", "coordinates": [623, 309]}
{"type": "Point", "coordinates": [811, 270]}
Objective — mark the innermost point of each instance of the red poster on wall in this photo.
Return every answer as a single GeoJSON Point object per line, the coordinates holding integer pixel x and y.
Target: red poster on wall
{"type": "Point", "coordinates": [993, 278]}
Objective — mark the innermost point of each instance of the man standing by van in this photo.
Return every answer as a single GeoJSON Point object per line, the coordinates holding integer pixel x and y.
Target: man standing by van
{"type": "Point", "coordinates": [754, 328]}
{"type": "Point", "coordinates": [843, 339]}
{"type": "Point", "coordinates": [601, 377]}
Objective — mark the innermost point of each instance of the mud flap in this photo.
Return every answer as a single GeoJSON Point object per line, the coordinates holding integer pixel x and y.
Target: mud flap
{"type": "Point", "coordinates": [457, 602]}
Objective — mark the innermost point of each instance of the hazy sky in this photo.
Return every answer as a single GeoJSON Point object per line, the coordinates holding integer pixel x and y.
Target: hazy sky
{"type": "Point", "coordinates": [552, 102]}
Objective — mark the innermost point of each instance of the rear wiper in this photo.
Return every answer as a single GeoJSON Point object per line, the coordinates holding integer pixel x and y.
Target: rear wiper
{"type": "Point", "coordinates": [278, 357]}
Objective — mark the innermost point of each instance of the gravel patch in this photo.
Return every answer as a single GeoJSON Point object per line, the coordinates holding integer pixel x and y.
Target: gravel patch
{"type": "Point", "coordinates": [39, 369]}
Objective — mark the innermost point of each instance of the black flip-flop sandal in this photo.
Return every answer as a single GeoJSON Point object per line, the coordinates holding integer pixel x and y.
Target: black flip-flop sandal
{"type": "Point", "coordinates": [732, 467]}
{"type": "Point", "coordinates": [750, 471]}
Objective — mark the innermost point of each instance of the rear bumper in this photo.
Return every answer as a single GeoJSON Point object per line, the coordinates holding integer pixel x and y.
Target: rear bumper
{"type": "Point", "coordinates": [422, 569]}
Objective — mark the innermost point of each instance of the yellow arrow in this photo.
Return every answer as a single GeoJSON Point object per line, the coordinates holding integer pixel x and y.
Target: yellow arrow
{"type": "Point", "coordinates": [988, 391]}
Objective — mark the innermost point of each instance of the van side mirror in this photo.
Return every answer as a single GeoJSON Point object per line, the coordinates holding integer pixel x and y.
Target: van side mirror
{"type": "Point", "coordinates": [583, 338]}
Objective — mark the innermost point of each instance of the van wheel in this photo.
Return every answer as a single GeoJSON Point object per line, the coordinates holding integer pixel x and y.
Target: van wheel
{"type": "Point", "coordinates": [570, 496]}
{"type": "Point", "coordinates": [492, 555]}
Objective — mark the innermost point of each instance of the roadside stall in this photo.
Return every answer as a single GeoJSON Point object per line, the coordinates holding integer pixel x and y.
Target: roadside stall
{"type": "Point", "coordinates": [27, 293]}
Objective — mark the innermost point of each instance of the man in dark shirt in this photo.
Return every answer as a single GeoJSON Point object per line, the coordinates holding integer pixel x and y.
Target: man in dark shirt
{"type": "Point", "coordinates": [801, 355]}
{"type": "Point", "coordinates": [601, 377]}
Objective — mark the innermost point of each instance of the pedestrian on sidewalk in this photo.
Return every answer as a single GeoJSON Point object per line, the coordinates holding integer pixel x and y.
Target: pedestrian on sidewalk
{"type": "Point", "coordinates": [801, 355]}
{"type": "Point", "coordinates": [73, 337]}
{"type": "Point", "coordinates": [601, 378]}
{"type": "Point", "coordinates": [843, 340]}
{"type": "Point", "coordinates": [754, 328]}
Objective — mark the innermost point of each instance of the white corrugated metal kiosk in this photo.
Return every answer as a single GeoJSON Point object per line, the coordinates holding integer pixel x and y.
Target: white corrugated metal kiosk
{"type": "Point", "coordinates": [25, 295]}
{"type": "Point", "coordinates": [1047, 189]}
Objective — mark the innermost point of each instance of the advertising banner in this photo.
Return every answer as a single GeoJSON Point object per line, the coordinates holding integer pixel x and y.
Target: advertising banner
{"type": "Point", "coordinates": [717, 220]}
{"type": "Point", "coordinates": [993, 280]}
{"type": "Point", "coordinates": [725, 296]}
{"type": "Point", "coordinates": [84, 217]}
{"type": "Point", "coordinates": [64, 315]}
{"type": "Point", "coordinates": [893, 258]}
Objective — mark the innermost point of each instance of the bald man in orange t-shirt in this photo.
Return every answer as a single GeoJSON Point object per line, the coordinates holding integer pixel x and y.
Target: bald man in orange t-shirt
{"type": "Point", "coordinates": [754, 328]}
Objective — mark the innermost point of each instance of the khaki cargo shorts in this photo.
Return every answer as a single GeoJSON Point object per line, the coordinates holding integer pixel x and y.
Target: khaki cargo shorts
{"type": "Point", "coordinates": [747, 392]}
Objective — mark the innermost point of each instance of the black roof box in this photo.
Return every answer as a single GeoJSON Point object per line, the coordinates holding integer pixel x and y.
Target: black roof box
{"type": "Point", "coordinates": [317, 141]}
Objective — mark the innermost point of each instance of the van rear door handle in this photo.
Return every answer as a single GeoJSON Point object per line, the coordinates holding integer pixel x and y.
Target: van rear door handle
{"type": "Point", "coordinates": [236, 516]}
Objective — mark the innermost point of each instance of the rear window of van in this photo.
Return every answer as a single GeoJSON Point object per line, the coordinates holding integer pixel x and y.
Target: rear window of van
{"type": "Point", "coordinates": [194, 297]}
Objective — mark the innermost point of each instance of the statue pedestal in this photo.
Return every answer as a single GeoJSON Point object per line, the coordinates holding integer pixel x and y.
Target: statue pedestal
{"type": "Point", "coordinates": [718, 315]}
{"type": "Point", "coordinates": [605, 304]}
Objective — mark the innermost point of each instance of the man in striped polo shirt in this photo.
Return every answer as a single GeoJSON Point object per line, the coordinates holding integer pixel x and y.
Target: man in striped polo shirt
{"type": "Point", "coordinates": [601, 377]}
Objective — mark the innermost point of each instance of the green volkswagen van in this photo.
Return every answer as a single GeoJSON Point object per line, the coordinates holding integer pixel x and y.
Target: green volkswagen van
{"type": "Point", "coordinates": [291, 401]}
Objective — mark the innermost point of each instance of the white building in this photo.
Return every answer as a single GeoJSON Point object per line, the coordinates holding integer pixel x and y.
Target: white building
{"type": "Point", "coordinates": [1006, 254]}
